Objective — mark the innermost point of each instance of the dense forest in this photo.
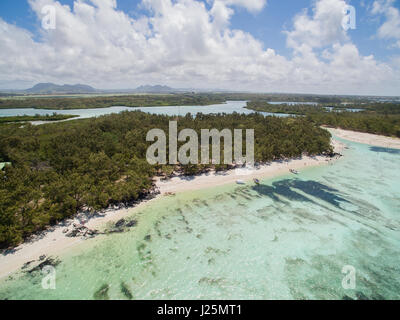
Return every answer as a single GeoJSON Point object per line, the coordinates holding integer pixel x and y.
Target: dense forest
{"type": "Point", "coordinates": [378, 118]}
{"type": "Point", "coordinates": [388, 125]}
{"type": "Point", "coordinates": [57, 169]}
{"type": "Point", "coordinates": [298, 109]}
{"type": "Point", "coordinates": [145, 100]}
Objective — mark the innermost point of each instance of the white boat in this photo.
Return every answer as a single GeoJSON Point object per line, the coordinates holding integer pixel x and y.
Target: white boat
{"type": "Point", "coordinates": [294, 171]}
{"type": "Point", "coordinates": [240, 182]}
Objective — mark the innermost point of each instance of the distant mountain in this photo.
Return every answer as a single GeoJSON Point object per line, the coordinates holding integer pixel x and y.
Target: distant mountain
{"type": "Point", "coordinates": [51, 88]}
{"type": "Point", "coordinates": [154, 89]}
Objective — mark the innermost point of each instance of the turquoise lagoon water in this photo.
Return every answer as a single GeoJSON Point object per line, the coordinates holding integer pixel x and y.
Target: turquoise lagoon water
{"type": "Point", "coordinates": [288, 238]}
{"type": "Point", "coordinates": [228, 107]}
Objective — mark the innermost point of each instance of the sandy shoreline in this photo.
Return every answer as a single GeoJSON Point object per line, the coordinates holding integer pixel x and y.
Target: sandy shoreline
{"type": "Point", "coordinates": [54, 241]}
{"type": "Point", "coordinates": [179, 184]}
{"type": "Point", "coordinates": [366, 138]}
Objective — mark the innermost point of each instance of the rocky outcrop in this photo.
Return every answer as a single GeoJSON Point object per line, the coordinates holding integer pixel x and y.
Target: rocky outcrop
{"type": "Point", "coordinates": [102, 293]}
{"type": "Point", "coordinates": [81, 231]}
{"type": "Point", "coordinates": [50, 261]}
{"type": "Point", "coordinates": [121, 226]}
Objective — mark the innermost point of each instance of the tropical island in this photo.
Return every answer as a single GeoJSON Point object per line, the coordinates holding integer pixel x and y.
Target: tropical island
{"type": "Point", "coordinates": [206, 150]}
{"type": "Point", "coordinates": [57, 169]}
{"type": "Point", "coordinates": [60, 168]}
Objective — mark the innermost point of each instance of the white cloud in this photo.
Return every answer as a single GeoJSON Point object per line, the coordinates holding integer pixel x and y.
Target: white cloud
{"type": "Point", "coordinates": [339, 66]}
{"type": "Point", "coordinates": [181, 43]}
{"type": "Point", "coordinates": [250, 5]}
{"type": "Point", "coordinates": [323, 28]}
{"type": "Point", "coordinates": [390, 29]}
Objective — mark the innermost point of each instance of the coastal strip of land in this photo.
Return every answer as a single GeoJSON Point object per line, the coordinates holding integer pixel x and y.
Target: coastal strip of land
{"type": "Point", "coordinates": [41, 118]}
{"type": "Point", "coordinates": [54, 241]}
{"type": "Point", "coordinates": [367, 138]}
{"type": "Point", "coordinates": [276, 168]}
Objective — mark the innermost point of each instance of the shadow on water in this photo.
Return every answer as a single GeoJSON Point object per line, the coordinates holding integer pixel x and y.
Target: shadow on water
{"type": "Point", "coordinates": [285, 188]}
{"type": "Point", "coordinates": [386, 150]}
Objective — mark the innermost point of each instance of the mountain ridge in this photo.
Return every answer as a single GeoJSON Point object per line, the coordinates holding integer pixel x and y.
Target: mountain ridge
{"type": "Point", "coordinates": [154, 89]}
{"type": "Point", "coordinates": [48, 88]}
{"type": "Point", "coordinates": [52, 88]}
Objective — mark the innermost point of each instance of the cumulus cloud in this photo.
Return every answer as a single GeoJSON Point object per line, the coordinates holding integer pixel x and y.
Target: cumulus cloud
{"type": "Point", "coordinates": [390, 29]}
{"type": "Point", "coordinates": [183, 43]}
{"type": "Point", "coordinates": [323, 28]}
{"type": "Point", "coordinates": [250, 5]}
{"type": "Point", "coordinates": [340, 64]}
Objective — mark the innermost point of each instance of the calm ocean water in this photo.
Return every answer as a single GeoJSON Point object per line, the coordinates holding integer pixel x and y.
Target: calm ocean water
{"type": "Point", "coordinates": [288, 238]}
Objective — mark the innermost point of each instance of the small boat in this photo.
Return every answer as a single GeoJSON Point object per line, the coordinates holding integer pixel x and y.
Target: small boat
{"type": "Point", "coordinates": [240, 182]}
{"type": "Point", "coordinates": [294, 171]}
{"type": "Point", "coordinates": [256, 181]}
{"type": "Point", "coordinates": [170, 194]}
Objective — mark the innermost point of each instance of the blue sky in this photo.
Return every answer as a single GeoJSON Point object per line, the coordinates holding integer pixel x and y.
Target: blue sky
{"type": "Point", "coordinates": [267, 26]}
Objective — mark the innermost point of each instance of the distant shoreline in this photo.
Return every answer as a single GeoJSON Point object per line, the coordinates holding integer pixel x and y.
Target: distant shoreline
{"type": "Point", "coordinates": [366, 138]}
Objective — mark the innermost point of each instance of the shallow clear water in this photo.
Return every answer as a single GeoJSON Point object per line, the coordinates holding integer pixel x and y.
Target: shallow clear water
{"type": "Point", "coordinates": [288, 238]}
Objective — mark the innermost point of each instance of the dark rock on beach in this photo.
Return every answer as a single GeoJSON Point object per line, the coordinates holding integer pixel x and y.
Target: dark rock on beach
{"type": "Point", "coordinates": [81, 231]}
{"type": "Point", "coordinates": [27, 264]}
{"type": "Point", "coordinates": [48, 262]}
{"type": "Point", "coordinates": [120, 223]}
{"type": "Point", "coordinates": [131, 223]}
{"type": "Point", "coordinates": [121, 226]}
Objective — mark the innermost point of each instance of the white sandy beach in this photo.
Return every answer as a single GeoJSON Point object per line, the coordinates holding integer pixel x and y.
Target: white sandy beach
{"type": "Point", "coordinates": [54, 241]}
{"type": "Point", "coordinates": [177, 184]}
{"type": "Point", "coordinates": [367, 138]}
